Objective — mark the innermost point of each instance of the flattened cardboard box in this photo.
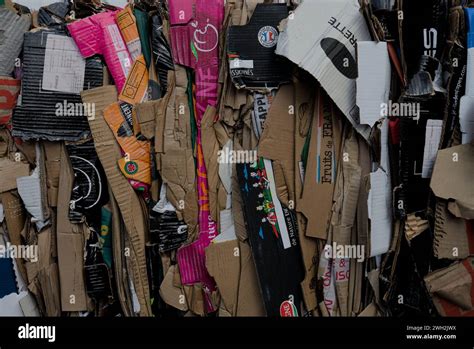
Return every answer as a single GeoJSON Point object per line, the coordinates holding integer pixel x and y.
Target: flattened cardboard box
{"type": "Point", "coordinates": [327, 47]}
{"type": "Point", "coordinates": [251, 49]}
{"type": "Point", "coordinates": [273, 237]}
{"type": "Point", "coordinates": [70, 240]}
{"type": "Point", "coordinates": [109, 153]}
{"type": "Point", "coordinates": [53, 115]}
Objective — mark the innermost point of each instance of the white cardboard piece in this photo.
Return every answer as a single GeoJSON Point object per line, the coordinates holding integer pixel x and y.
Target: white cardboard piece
{"type": "Point", "coordinates": [373, 81]}
{"type": "Point", "coordinates": [434, 129]}
{"type": "Point", "coordinates": [336, 30]}
{"type": "Point", "coordinates": [379, 201]}
{"type": "Point", "coordinates": [29, 189]}
{"type": "Point", "coordinates": [466, 108]}
{"type": "Point", "coordinates": [380, 213]}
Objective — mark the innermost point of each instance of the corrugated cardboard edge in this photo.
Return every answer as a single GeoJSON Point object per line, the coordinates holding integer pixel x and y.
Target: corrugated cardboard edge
{"type": "Point", "coordinates": [109, 153]}
{"type": "Point", "coordinates": [70, 240]}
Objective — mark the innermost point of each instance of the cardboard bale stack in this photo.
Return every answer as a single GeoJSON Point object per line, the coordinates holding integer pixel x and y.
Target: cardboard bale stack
{"type": "Point", "coordinates": [236, 158]}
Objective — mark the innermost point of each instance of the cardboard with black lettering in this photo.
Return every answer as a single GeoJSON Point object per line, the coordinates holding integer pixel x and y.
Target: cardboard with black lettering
{"type": "Point", "coordinates": [327, 49]}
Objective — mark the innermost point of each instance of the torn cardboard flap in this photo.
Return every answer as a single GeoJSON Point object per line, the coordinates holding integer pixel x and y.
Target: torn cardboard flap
{"type": "Point", "coordinates": [223, 264]}
{"type": "Point", "coordinates": [231, 264]}
{"type": "Point", "coordinates": [10, 171]}
{"type": "Point", "coordinates": [453, 236]}
{"type": "Point", "coordinates": [145, 113]}
{"type": "Point", "coordinates": [109, 153]}
{"type": "Point", "coordinates": [452, 172]}
{"type": "Point", "coordinates": [171, 294]}
{"type": "Point", "coordinates": [277, 139]}
{"type": "Point", "coordinates": [33, 191]}
{"type": "Point", "coordinates": [70, 240]}
{"type": "Point", "coordinates": [53, 166]}
{"type": "Point", "coordinates": [321, 167]}
{"type": "Point", "coordinates": [451, 289]}
{"type": "Point", "coordinates": [414, 226]}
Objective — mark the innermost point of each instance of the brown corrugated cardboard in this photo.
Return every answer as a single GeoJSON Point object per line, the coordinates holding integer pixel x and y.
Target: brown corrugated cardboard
{"type": "Point", "coordinates": [48, 273]}
{"type": "Point", "coordinates": [171, 294]}
{"type": "Point", "coordinates": [344, 212]}
{"type": "Point", "coordinates": [277, 140]}
{"type": "Point", "coordinates": [452, 170]}
{"type": "Point", "coordinates": [320, 173]}
{"type": "Point", "coordinates": [453, 236]}
{"type": "Point", "coordinates": [128, 201]}
{"type": "Point", "coordinates": [118, 246]}
{"type": "Point", "coordinates": [451, 289]}
{"type": "Point", "coordinates": [9, 171]}
{"type": "Point", "coordinates": [303, 121]}
{"type": "Point", "coordinates": [173, 141]}
{"type": "Point", "coordinates": [194, 295]}
{"type": "Point", "coordinates": [15, 219]}
{"type": "Point", "coordinates": [249, 302]}
{"type": "Point", "coordinates": [231, 265]}
{"type": "Point", "coordinates": [370, 311]}
{"type": "Point", "coordinates": [145, 113]}
{"type": "Point", "coordinates": [70, 240]}
{"type": "Point", "coordinates": [53, 164]}
{"type": "Point", "coordinates": [414, 226]}
{"type": "Point", "coordinates": [223, 264]}
{"type": "Point", "coordinates": [28, 306]}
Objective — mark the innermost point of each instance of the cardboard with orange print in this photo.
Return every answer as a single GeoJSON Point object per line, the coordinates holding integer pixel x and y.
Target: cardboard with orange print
{"type": "Point", "coordinates": [135, 88]}
{"type": "Point", "coordinates": [128, 27]}
{"type": "Point", "coordinates": [136, 162]}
